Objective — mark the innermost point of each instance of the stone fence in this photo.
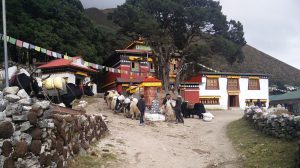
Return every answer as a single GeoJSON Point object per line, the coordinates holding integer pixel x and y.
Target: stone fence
{"type": "Point", "coordinates": [33, 135]}
{"type": "Point", "coordinates": [276, 122]}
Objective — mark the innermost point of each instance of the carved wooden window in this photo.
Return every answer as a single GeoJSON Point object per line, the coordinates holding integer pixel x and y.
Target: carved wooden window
{"type": "Point", "coordinates": [135, 66]}
{"type": "Point", "coordinates": [210, 101]}
{"type": "Point", "coordinates": [253, 84]}
{"type": "Point", "coordinates": [212, 83]}
{"type": "Point", "coordinates": [233, 84]}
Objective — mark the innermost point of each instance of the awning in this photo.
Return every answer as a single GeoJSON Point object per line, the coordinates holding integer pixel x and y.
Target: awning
{"type": "Point", "coordinates": [234, 77]}
{"type": "Point", "coordinates": [149, 84]}
{"type": "Point", "coordinates": [81, 73]}
{"type": "Point", "coordinates": [232, 93]}
{"type": "Point", "coordinates": [210, 97]}
{"type": "Point", "coordinates": [213, 76]}
{"type": "Point", "coordinates": [132, 89]}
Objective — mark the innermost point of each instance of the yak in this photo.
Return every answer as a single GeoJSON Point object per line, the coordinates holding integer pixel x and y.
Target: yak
{"type": "Point", "coordinates": [74, 92]}
{"type": "Point", "coordinates": [198, 109]}
{"type": "Point", "coordinates": [28, 83]}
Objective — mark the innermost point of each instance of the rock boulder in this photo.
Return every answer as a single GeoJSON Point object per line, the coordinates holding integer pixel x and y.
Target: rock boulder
{"type": "Point", "coordinates": [11, 90]}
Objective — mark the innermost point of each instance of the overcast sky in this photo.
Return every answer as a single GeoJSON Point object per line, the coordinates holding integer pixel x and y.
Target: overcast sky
{"type": "Point", "coordinates": [272, 26]}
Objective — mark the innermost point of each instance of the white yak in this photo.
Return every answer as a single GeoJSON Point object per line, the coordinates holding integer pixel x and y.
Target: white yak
{"type": "Point", "coordinates": [110, 96]}
{"type": "Point", "coordinates": [134, 111]}
{"type": "Point", "coordinates": [168, 110]}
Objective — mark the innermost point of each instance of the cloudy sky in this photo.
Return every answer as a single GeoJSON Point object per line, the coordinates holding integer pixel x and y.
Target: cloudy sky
{"type": "Point", "coordinates": [271, 26]}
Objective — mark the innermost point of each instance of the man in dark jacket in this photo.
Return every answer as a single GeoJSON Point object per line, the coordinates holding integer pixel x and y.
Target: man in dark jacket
{"type": "Point", "coordinates": [142, 107]}
{"type": "Point", "coordinates": [167, 98]}
{"type": "Point", "coordinates": [177, 110]}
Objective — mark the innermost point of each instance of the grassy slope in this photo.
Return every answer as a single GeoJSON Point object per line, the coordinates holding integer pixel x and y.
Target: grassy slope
{"type": "Point", "coordinates": [255, 60]}
{"type": "Point", "coordinates": [261, 150]}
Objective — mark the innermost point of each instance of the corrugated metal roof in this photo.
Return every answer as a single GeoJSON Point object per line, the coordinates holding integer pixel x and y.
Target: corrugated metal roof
{"type": "Point", "coordinates": [286, 96]}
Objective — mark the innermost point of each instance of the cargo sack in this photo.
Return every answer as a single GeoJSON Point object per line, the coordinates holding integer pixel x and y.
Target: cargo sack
{"type": "Point", "coordinates": [48, 83]}
{"type": "Point", "coordinates": [59, 83]}
{"type": "Point", "coordinates": [208, 117]}
{"type": "Point", "coordinates": [55, 83]}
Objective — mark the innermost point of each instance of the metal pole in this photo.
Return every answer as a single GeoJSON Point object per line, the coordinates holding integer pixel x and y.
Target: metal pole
{"type": "Point", "coordinates": [5, 43]}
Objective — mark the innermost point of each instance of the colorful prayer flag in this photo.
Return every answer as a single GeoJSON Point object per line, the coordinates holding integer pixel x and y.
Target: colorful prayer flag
{"type": "Point", "coordinates": [86, 63]}
{"type": "Point", "coordinates": [25, 45]}
{"type": "Point", "coordinates": [12, 40]}
{"type": "Point", "coordinates": [31, 46]}
{"type": "Point", "coordinates": [81, 61]}
{"type": "Point", "coordinates": [49, 53]}
{"type": "Point", "coordinates": [59, 55]}
{"type": "Point", "coordinates": [7, 38]}
{"type": "Point", "coordinates": [66, 57]}
{"type": "Point", "coordinates": [54, 54]}
{"type": "Point", "coordinates": [37, 48]}
{"type": "Point", "coordinates": [43, 50]}
{"type": "Point", "coordinates": [107, 69]}
{"type": "Point", "coordinates": [19, 43]}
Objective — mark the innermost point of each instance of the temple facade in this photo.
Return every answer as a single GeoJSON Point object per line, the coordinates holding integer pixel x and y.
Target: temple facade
{"type": "Point", "coordinates": [134, 64]}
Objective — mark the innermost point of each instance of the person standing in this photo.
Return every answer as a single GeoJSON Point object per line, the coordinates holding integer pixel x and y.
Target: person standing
{"type": "Point", "coordinates": [142, 107]}
{"type": "Point", "coordinates": [177, 110]}
{"type": "Point", "coordinates": [258, 103]}
{"type": "Point", "coordinates": [251, 103]}
{"type": "Point", "coordinates": [166, 99]}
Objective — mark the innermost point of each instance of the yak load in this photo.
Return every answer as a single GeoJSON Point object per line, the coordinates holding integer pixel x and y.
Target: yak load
{"type": "Point", "coordinates": [59, 91]}
{"type": "Point", "coordinates": [55, 89]}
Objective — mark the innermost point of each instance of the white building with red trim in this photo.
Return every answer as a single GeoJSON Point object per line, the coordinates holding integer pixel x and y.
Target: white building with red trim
{"type": "Point", "coordinates": [233, 90]}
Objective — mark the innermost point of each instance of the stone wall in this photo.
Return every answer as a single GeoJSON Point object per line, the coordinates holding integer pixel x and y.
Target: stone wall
{"type": "Point", "coordinates": [276, 122]}
{"type": "Point", "coordinates": [33, 135]}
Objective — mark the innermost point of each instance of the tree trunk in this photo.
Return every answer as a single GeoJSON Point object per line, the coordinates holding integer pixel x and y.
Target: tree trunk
{"type": "Point", "coordinates": [164, 65]}
{"type": "Point", "coordinates": [166, 78]}
{"type": "Point", "coordinates": [180, 74]}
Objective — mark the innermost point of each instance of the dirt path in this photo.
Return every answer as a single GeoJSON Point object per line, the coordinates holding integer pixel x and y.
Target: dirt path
{"type": "Point", "coordinates": [196, 144]}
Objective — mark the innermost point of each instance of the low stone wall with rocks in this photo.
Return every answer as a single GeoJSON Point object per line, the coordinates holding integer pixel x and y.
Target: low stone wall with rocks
{"type": "Point", "coordinates": [276, 122]}
{"type": "Point", "coordinates": [34, 135]}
